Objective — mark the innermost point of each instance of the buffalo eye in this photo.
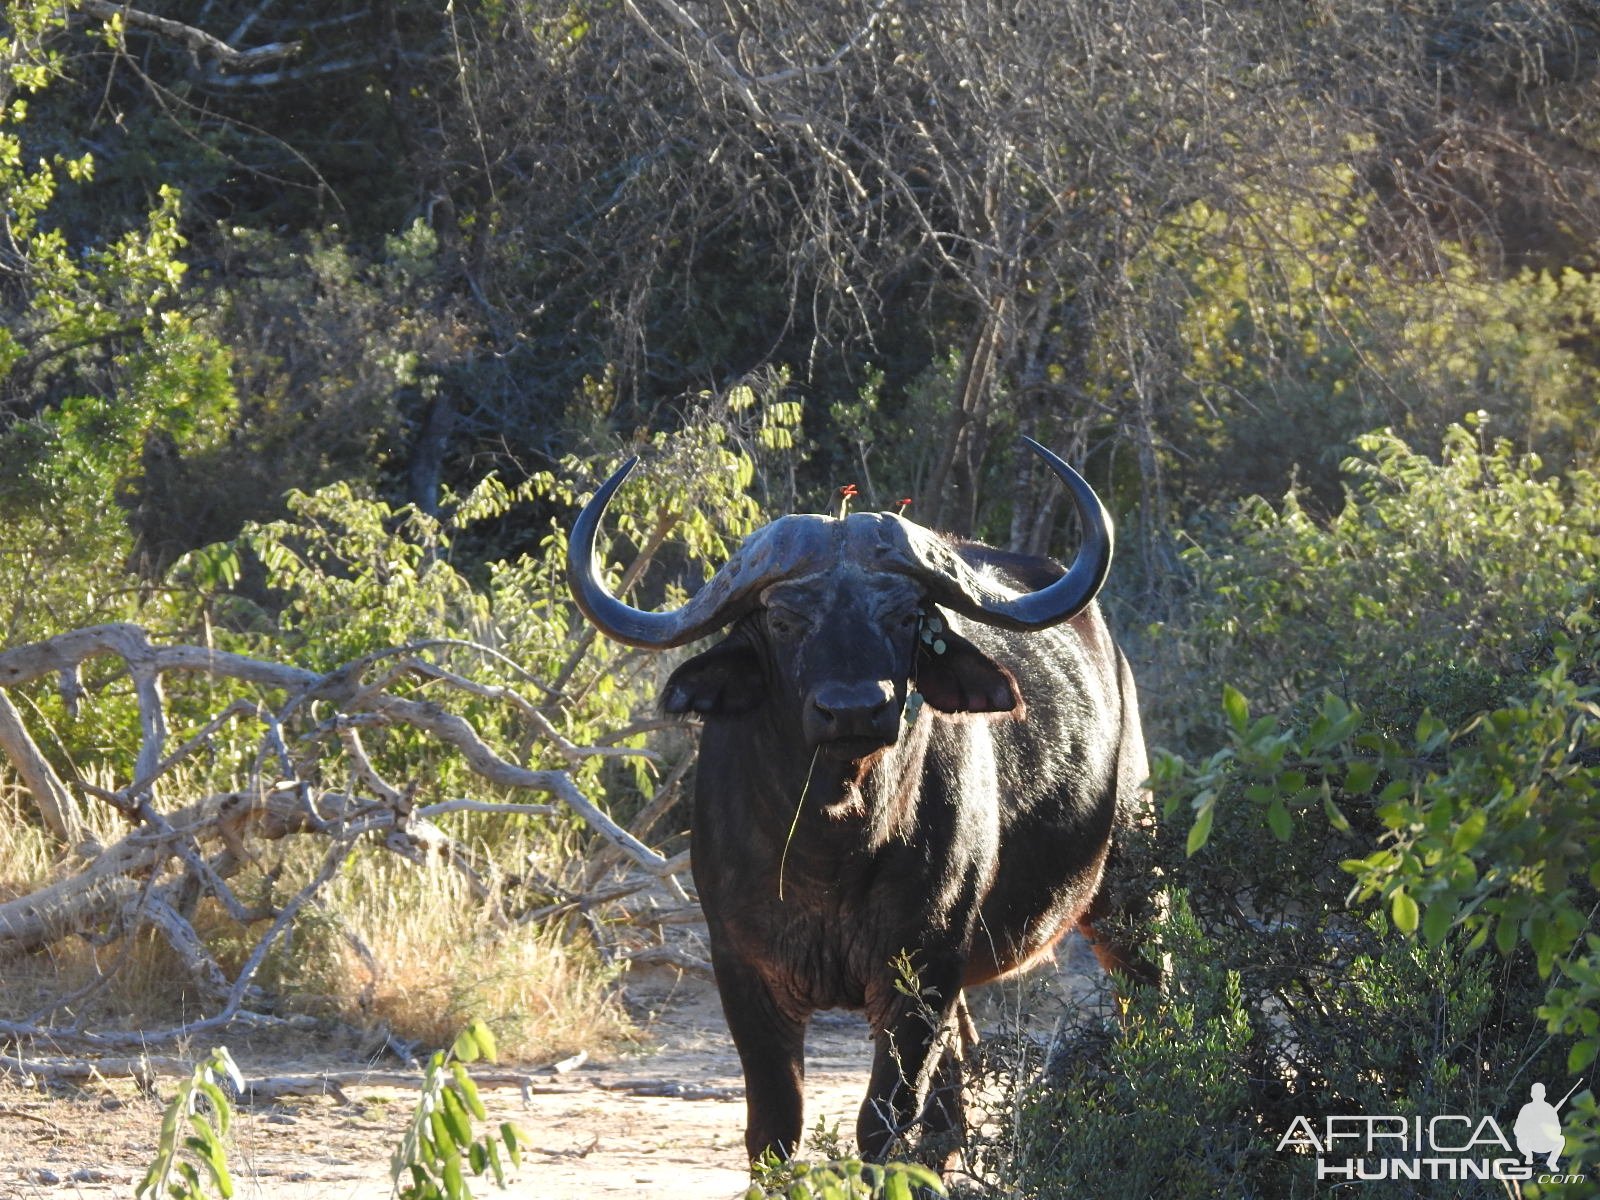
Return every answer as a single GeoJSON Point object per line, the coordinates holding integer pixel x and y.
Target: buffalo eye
{"type": "Point", "coordinates": [785, 623]}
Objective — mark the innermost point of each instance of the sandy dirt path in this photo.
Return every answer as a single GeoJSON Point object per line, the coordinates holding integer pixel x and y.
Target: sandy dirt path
{"type": "Point", "coordinates": [609, 1128]}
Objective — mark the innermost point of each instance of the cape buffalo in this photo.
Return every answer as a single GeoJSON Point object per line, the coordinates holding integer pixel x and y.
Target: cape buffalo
{"type": "Point", "coordinates": [920, 765]}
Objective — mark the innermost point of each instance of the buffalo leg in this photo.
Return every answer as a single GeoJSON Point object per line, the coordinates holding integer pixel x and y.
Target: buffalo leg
{"type": "Point", "coordinates": [1120, 909]}
{"type": "Point", "coordinates": [915, 1076]}
{"type": "Point", "coordinates": [1122, 957]}
{"type": "Point", "coordinates": [771, 1049]}
{"type": "Point", "coordinates": [945, 1119]}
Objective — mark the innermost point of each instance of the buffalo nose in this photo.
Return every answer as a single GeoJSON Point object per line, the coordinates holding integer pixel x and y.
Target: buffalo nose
{"type": "Point", "coordinates": [854, 710]}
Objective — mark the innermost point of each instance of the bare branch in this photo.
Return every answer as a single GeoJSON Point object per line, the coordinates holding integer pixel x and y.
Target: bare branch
{"type": "Point", "coordinates": [584, 903]}
{"type": "Point", "coordinates": [198, 40]}
{"type": "Point", "coordinates": [203, 969]}
{"type": "Point", "coordinates": [239, 1018]}
{"type": "Point", "coordinates": [140, 787]}
{"type": "Point", "coordinates": [666, 795]}
{"type": "Point", "coordinates": [670, 956]}
{"type": "Point", "coordinates": [151, 875]}
{"type": "Point", "coordinates": [726, 71]}
{"type": "Point", "coordinates": [269, 79]}
{"type": "Point", "coordinates": [331, 862]}
{"type": "Point", "coordinates": [448, 727]}
{"type": "Point", "coordinates": [55, 803]}
{"type": "Point", "coordinates": [107, 885]}
{"type": "Point", "coordinates": [688, 914]}
{"type": "Point", "coordinates": [568, 749]}
{"type": "Point", "coordinates": [66, 651]}
{"type": "Point", "coordinates": [256, 1090]}
{"type": "Point", "coordinates": [485, 806]}
{"type": "Point", "coordinates": [365, 771]}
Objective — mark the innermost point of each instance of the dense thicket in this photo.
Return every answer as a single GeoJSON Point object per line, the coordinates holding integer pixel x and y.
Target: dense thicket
{"type": "Point", "coordinates": [270, 276]}
{"type": "Point", "coordinates": [1198, 244]}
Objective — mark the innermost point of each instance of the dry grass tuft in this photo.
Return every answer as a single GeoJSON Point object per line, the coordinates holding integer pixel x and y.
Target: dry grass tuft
{"type": "Point", "coordinates": [129, 983]}
{"type": "Point", "coordinates": [25, 849]}
{"type": "Point", "coordinates": [410, 952]}
{"type": "Point", "coordinates": [391, 948]}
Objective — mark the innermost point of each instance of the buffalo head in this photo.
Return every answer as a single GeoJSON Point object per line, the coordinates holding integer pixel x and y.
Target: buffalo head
{"type": "Point", "coordinates": [839, 620]}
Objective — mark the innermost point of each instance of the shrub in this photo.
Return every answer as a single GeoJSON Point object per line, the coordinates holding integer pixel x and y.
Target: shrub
{"type": "Point", "coordinates": [1432, 585]}
{"type": "Point", "coordinates": [1470, 822]}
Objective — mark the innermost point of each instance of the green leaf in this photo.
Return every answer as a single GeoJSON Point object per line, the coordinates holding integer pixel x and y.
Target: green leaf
{"type": "Point", "coordinates": [1279, 819]}
{"type": "Point", "coordinates": [469, 1091]}
{"type": "Point", "coordinates": [1358, 780]}
{"type": "Point", "coordinates": [455, 1185]}
{"type": "Point", "coordinates": [512, 1139]}
{"type": "Point", "coordinates": [1261, 793]}
{"type": "Point", "coordinates": [1436, 923]}
{"type": "Point", "coordinates": [1236, 708]}
{"type": "Point", "coordinates": [1431, 733]}
{"type": "Point", "coordinates": [1505, 935]}
{"type": "Point", "coordinates": [1468, 833]}
{"type": "Point", "coordinates": [1335, 814]}
{"type": "Point", "coordinates": [191, 1180]}
{"type": "Point", "coordinates": [219, 1172]}
{"type": "Point", "coordinates": [921, 1176]}
{"type": "Point", "coordinates": [1581, 1055]}
{"type": "Point", "coordinates": [443, 1135]}
{"type": "Point", "coordinates": [1263, 728]}
{"type": "Point", "coordinates": [1404, 910]}
{"type": "Point", "coordinates": [466, 1047]}
{"type": "Point", "coordinates": [484, 1036]}
{"type": "Point", "coordinates": [428, 1149]}
{"type": "Point", "coordinates": [1200, 831]}
{"type": "Point", "coordinates": [219, 1105]}
{"type": "Point", "coordinates": [492, 1149]}
{"type": "Point", "coordinates": [455, 1116]}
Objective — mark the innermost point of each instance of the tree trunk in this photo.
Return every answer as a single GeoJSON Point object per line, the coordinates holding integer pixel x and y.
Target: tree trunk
{"type": "Point", "coordinates": [967, 407]}
{"type": "Point", "coordinates": [426, 470]}
{"type": "Point", "coordinates": [55, 803]}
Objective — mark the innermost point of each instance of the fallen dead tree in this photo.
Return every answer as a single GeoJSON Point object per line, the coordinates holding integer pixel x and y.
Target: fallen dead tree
{"type": "Point", "coordinates": [310, 776]}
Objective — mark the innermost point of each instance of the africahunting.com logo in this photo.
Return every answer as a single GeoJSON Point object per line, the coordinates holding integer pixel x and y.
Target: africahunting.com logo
{"type": "Point", "coordinates": [1447, 1146]}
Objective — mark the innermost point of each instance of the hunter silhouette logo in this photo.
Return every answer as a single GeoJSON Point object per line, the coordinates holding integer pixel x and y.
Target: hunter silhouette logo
{"type": "Point", "coordinates": [1360, 1148]}
{"type": "Point", "coordinates": [1538, 1127]}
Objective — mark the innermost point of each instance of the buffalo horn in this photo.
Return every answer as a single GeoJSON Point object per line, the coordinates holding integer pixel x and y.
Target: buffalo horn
{"type": "Point", "coordinates": [954, 584]}
{"type": "Point", "coordinates": [765, 556]}
{"type": "Point", "coordinates": [793, 545]}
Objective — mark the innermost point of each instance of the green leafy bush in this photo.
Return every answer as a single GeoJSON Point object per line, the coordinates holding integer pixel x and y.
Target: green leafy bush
{"type": "Point", "coordinates": [99, 367]}
{"type": "Point", "coordinates": [1383, 888]}
{"type": "Point", "coordinates": [350, 575]}
{"type": "Point", "coordinates": [440, 1146]}
{"type": "Point", "coordinates": [842, 1179]}
{"type": "Point", "coordinates": [1431, 585]}
{"type": "Point", "coordinates": [1294, 338]}
{"type": "Point", "coordinates": [201, 1091]}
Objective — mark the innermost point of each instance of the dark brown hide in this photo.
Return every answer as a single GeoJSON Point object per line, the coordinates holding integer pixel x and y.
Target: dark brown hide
{"type": "Point", "coordinates": [916, 752]}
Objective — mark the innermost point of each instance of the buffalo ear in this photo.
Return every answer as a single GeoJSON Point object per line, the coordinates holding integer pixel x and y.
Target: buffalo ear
{"type": "Point", "coordinates": [724, 681]}
{"type": "Point", "coordinates": [963, 679]}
